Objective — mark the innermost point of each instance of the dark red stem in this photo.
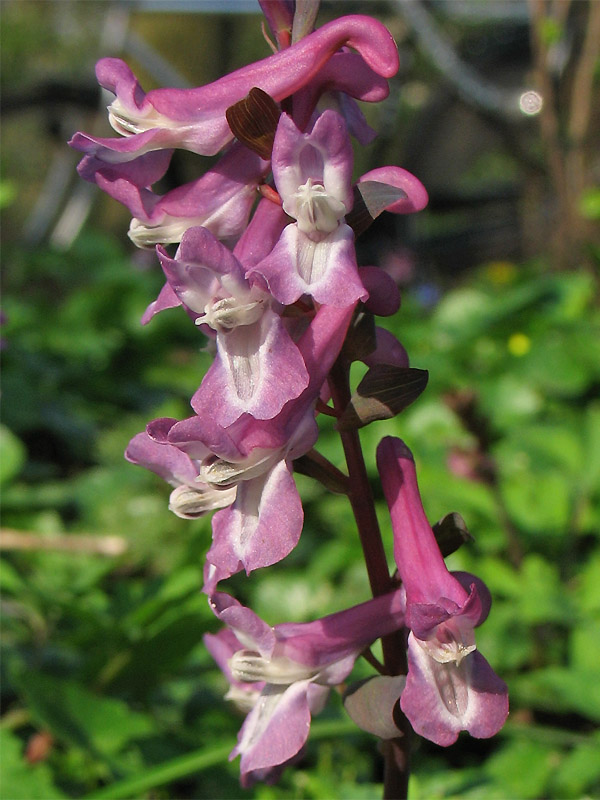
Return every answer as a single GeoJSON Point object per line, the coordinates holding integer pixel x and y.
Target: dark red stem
{"type": "Point", "coordinates": [396, 751]}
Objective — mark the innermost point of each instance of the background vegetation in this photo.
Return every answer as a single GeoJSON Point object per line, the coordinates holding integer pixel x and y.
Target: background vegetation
{"type": "Point", "coordinates": [107, 689]}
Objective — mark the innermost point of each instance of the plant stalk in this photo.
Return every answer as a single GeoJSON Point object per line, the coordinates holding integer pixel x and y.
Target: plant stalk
{"type": "Point", "coordinates": [396, 751]}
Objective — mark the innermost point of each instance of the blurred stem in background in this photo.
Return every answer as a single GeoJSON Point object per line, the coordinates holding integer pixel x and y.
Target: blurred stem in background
{"type": "Point", "coordinates": [565, 137]}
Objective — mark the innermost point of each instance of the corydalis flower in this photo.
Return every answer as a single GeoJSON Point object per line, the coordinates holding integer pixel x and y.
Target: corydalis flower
{"type": "Point", "coordinates": [315, 255]}
{"type": "Point", "coordinates": [294, 665]}
{"type": "Point", "coordinates": [264, 522]}
{"type": "Point", "coordinates": [220, 200]}
{"type": "Point", "coordinates": [450, 686]}
{"type": "Point", "coordinates": [194, 119]}
{"type": "Point", "coordinates": [257, 368]}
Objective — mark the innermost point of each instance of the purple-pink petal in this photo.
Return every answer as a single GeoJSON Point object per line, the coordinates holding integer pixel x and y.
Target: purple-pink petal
{"type": "Point", "coordinates": [440, 700]}
{"type": "Point", "coordinates": [167, 298]}
{"type": "Point", "coordinates": [257, 369]}
{"type": "Point", "coordinates": [200, 112]}
{"type": "Point", "coordinates": [417, 555]}
{"type": "Point", "coordinates": [276, 729]}
{"type": "Point", "coordinates": [260, 528]}
{"type": "Point", "coordinates": [324, 155]}
{"type": "Point", "coordinates": [350, 76]}
{"type": "Point", "coordinates": [384, 295]}
{"type": "Point", "coordinates": [326, 270]}
{"type": "Point", "coordinates": [165, 460]}
{"type": "Point", "coordinates": [416, 195]}
{"type": "Point", "coordinates": [388, 350]}
{"type": "Point", "coordinates": [248, 627]}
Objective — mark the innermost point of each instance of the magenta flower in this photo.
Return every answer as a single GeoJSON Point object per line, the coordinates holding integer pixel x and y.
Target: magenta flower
{"type": "Point", "coordinates": [264, 522]}
{"type": "Point", "coordinates": [450, 686]}
{"type": "Point", "coordinates": [314, 256]}
{"type": "Point", "coordinates": [221, 200]}
{"type": "Point", "coordinates": [294, 664]}
{"type": "Point", "coordinates": [194, 119]}
{"type": "Point", "coordinates": [257, 367]}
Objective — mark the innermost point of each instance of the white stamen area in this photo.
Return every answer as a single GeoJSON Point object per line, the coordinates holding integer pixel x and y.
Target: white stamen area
{"type": "Point", "coordinates": [249, 666]}
{"type": "Point", "coordinates": [219, 472]}
{"type": "Point", "coordinates": [188, 503]}
{"type": "Point", "coordinates": [243, 699]}
{"type": "Point", "coordinates": [229, 313]}
{"type": "Point", "coordinates": [448, 647]}
{"type": "Point", "coordinates": [126, 123]}
{"type": "Point", "coordinates": [315, 210]}
{"type": "Point", "coordinates": [169, 231]}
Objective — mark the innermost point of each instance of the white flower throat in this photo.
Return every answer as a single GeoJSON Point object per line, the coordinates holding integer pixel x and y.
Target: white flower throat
{"type": "Point", "coordinates": [315, 210]}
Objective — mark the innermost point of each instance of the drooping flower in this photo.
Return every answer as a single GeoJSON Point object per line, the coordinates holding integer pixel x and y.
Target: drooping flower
{"type": "Point", "coordinates": [450, 686]}
{"type": "Point", "coordinates": [294, 664]}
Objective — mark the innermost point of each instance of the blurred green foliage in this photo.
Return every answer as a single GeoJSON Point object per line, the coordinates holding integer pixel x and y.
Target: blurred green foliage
{"type": "Point", "coordinates": [107, 688]}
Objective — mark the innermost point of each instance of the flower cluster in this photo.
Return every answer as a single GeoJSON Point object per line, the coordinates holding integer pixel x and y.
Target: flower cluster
{"type": "Point", "coordinates": [266, 266]}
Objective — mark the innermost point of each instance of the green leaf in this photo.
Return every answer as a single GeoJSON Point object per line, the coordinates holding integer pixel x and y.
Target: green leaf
{"type": "Point", "coordinates": [523, 768]}
{"type": "Point", "coordinates": [560, 689]}
{"type": "Point", "coordinates": [538, 502]}
{"type": "Point", "coordinates": [587, 591]}
{"type": "Point", "coordinates": [13, 455]}
{"type": "Point", "coordinates": [75, 715]}
{"type": "Point", "coordinates": [589, 203]}
{"type": "Point", "coordinates": [20, 780]}
{"type": "Point", "coordinates": [579, 772]}
{"type": "Point", "coordinates": [199, 760]}
{"type": "Point", "coordinates": [542, 597]}
{"type": "Point", "coordinates": [584, 646]}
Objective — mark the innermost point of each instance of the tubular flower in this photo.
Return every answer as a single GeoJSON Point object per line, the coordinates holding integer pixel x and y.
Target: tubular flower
{"type": "Point", "coordinates": [450, 686]}
{"type": "Point", "coordinates": [194, 119]}
{"type": "Point", "coordinates": [220, 200]}
{"type": "Point", "coordinates": [294, 664]}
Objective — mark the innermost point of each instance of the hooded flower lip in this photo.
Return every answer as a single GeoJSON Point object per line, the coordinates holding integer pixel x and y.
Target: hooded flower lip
{"type": "Point", "coordinates": [450, 686]}
{"type": "Point", "coordinates": [194, 119]}
{"type": "Point", "coordinates": [294, 664]}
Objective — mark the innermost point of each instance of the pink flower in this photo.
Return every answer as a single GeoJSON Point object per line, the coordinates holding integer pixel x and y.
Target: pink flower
{"type": "Point", "coordinates": [220, 200]}
{"type": "Point", "coordinates": [190, 497]}
{"type": "Point", "coordinates": [450, 686]}
{"type": "Point", "coordinates": [264, 521]}
{"type": "Point", "coordinates": [194, 119]}
{"type": "Point", "coordinates": [293, 665]}
{"type": "Point", "coordinates": [314, 256]}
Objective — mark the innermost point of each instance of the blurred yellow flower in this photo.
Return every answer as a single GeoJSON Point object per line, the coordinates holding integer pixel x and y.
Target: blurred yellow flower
{"type": "Point", "coordinates": [501, 272]}
{"type": "Point", "coordinates": [519, 344]}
